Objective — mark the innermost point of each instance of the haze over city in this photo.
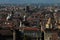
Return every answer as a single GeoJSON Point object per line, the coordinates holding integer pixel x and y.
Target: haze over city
{"type": "Point", "coordinates": [29, 19]}
{"type": "Point", "coordinates": [28, 1]}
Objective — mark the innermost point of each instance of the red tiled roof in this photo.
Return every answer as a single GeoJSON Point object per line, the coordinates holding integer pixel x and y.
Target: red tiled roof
{"type": "Point", "coordinates": [5, 32]}
{"type": "Point", "coordinates": [3, 19]}
{"type": "Point", "coordinates": [8, 24]}
{"type": "Point", "coordinates": [31, 29]}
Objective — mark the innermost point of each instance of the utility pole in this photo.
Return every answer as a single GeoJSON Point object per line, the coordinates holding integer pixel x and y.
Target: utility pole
{"type": "Point", "coordinates": [42, 35]}
{"type": "Point", "coordinates": [36, 36]}
{"type": "Point", "coordinates": [14, 35]}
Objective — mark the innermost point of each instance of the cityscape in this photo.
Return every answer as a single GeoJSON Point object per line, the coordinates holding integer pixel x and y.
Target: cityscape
{"type": "Point", "coordinates": [39, 21]}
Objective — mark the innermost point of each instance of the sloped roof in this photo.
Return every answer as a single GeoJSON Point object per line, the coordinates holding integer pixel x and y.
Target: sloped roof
{"type": "Point", "coordinates": [30, 29]}
{"type": "Point", "coordinates": [5, 32]}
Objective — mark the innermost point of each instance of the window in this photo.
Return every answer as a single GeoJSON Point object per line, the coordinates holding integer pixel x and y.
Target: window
{"type": "Point", "coordinates": [32, 16]}
{"type": "Point", "coordinates": [36, 16]}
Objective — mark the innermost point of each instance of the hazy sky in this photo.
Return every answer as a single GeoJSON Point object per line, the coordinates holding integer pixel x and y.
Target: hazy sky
{"type": "Point", "coordinates": [29, 1]}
